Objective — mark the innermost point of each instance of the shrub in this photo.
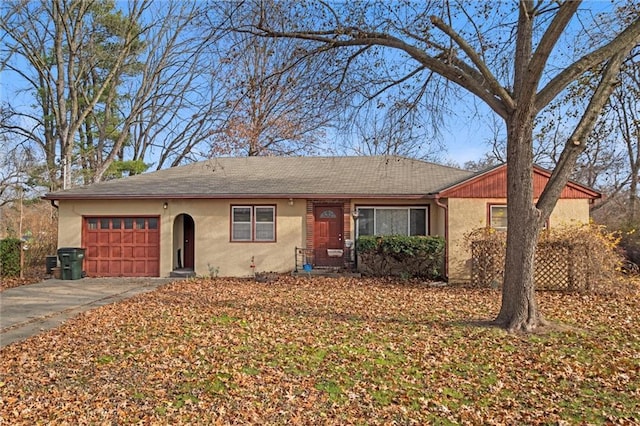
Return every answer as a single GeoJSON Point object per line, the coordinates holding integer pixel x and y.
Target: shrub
{"type": "Point", "coordinates": [400, 255]}
{"type": "Point", "coordinates": [572, 258]}
{"type": "Point", "coordinates": [630, 242]}
{"type": "Point", "coordinates": [10, 257]}
{"type": "Point", "coordinates": [36, 221]}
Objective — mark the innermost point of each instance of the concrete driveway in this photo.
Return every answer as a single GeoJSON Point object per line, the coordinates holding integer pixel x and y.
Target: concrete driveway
{"type": "Point", "coordinates": [27, 310]}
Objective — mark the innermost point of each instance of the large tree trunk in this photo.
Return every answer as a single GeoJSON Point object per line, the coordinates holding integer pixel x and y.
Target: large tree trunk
{"type": "Point", "coordinates": [519, 311]}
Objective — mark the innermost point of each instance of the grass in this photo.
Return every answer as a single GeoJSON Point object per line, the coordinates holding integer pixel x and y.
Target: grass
{"type": "Point", "coordinates": [327, 351]}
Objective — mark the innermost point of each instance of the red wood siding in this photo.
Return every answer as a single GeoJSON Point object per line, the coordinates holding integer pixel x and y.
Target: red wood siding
{"type": "Point", "coordinates": [493, 184]}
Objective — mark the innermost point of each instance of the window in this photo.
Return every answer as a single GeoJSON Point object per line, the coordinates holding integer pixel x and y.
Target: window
{"type": "Point", "coordinates": [498, 217]}
{"type": "Point", "coordinates": [253, 223]}
{"type": "Point", "coordinates": [392, 221]}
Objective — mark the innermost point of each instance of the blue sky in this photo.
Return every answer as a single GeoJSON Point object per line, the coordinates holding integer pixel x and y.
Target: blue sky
{"type": "Point", "coordinates": [466, 134]}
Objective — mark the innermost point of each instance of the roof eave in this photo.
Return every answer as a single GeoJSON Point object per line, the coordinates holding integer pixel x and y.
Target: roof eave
{"type": "Point", "coordinates": [230, 196]}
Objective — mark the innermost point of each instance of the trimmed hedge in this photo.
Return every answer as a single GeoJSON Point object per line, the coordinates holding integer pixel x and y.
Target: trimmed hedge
{"type": "Point", "coordinates": [400, 255]}
{"type": "Point", "coordinates": [10, 257]}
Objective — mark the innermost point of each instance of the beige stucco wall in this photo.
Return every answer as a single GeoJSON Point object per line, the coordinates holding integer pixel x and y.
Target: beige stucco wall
{"type": "Point", "coordinates": [212, 232]}
{"type": "Point", "coordinates": [466, 214]}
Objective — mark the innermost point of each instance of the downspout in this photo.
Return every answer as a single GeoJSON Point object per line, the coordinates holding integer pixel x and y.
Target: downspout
{"type": "Point", "coordinates": [445, 207]}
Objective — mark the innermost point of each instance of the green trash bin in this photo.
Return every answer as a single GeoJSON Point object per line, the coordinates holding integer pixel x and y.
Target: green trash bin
{"type": "Point", "coordinates": [71, 262]}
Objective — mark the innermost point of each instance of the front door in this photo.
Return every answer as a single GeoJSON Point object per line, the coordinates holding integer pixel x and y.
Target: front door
{"type": "Point", "coordinates": [189, 243]}
{"type": "Point", "coordinates": [327, 235]}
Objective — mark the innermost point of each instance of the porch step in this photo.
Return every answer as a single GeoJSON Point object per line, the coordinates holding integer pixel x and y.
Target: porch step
{"type": "Point", "coordinates": [182, 273]}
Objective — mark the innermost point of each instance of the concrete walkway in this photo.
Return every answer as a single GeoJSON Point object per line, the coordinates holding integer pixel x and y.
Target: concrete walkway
{"type": "Point", "coordinates": [27, 310]}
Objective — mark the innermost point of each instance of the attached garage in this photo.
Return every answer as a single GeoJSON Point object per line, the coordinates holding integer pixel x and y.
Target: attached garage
{"type": "Point", "coordinates": [121, 246]}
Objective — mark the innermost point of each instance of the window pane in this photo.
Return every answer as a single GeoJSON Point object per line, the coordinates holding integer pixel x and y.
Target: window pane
{"type": "Point", "coordinates": [264, 232]}
{"type": "Point", "coordinates": [104, 223]}
{"type": "Point", "coordinates": [241, 232]}
{"type": "Point", "coordinates": [116, 223]}
{"type": "Point", "coordinates": [365, 222]}
{"type": "Point", "coordinates": [392, 222]}
{"type": "Point", "coordinates": [418, 218]}
{"type": "Point", "coordinates": [128, 223]}
{"type": "Point", "coordinates": [499, 217]}
{"type": "Point", "coordinates": [153, 223]}
{"type": "Point", "coordinates": [92, 223]}
{"type": "Point", "coordinates": [328, 214]}
{"type": "Point", "coordinates": [140, 223]}
{"type": "Point", "coordinates": [264, 214]}
{"type": "Point", "coordinates": [242, 214]}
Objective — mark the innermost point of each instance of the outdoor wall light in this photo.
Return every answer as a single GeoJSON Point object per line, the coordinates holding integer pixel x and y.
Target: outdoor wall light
{"type": "Point", "coordinates": [355, 213]}
{"type": "Point", "coordinates": [165, 205]}
{"type": "Point", "coordinates": [290, 201]}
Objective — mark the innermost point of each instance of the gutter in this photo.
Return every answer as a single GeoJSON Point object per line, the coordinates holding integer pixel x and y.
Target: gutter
{"type": "Point", "coordinates": [54, 196]}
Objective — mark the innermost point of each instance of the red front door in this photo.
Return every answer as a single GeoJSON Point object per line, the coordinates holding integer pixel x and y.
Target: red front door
{"type": "Point", "coordinates": [327, 235]}
{"type": "Point", "coordinates": [189, 243]}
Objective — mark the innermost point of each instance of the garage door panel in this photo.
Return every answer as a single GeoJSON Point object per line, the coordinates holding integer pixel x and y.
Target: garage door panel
{"type": "Point", "coordinates": [127, 267]}
{"type": "Point", "coordinates": [139, 252]}
{"type": "Point", "coordinates": [91, 237]}
{"type": "Point", "coordinates": [122, 246]}
{"type": "Point", "coordinates": [127, 251]}
{"type": "Point", "coordinates": [103, 267]}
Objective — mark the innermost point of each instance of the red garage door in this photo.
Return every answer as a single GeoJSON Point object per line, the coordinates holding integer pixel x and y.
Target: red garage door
{"type": "Point", "coordinates": [121, 246]}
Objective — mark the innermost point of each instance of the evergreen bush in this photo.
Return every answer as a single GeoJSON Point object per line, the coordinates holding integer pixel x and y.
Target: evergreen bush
{"type": "Point", "coordinates": [400, 255]}
{"type": "Point", "coordinates": [10, 257]}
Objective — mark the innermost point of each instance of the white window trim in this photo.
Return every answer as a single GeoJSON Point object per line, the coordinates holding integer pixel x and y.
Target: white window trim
{"type": "Point", "coordinates": [408, 208]}
{"type": "Point", "coordinates": [253, 222]}
{"type": "Point", "coordinates": [491, 206]}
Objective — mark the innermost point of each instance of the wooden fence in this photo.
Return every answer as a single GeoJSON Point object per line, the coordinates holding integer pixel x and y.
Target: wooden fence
{"type": "Point", "coordinates": [559, 265]}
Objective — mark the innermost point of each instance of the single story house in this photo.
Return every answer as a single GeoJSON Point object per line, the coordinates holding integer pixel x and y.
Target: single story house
{"type": "Point", "coordinates": [240, 215]}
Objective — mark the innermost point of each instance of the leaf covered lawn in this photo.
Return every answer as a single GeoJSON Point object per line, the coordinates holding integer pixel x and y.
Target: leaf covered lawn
{"type": "Point", "coordinates": [326, 351]}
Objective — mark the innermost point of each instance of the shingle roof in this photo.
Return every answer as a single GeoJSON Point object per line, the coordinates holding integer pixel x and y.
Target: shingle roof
{"type": "Point", "coordinates": [245, 177]}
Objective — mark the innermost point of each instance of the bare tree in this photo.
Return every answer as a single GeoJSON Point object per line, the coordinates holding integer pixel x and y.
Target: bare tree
{"type": "Point", "coordinates": [508, 59]}
{"type": "Point", "coordinates": [611, 159]}
{"type": "Point", "coordinates": [127, 86]}
{"type": "Point", "coordinates": [396, 129]}
{"type": "Point", "coordinates": [178, 103]}
{"type": "Point", "coordinates": [46, 45]}
{"type": "Point", "coordinates": [279, 98]}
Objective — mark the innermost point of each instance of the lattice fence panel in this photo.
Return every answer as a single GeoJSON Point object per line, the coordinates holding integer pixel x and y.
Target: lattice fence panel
{"type": "Point", "coordinates": [559, 265]}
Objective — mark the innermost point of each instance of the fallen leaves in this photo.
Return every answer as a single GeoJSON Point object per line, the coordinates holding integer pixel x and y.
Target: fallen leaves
{"type": "Point", "coordinates": [336, 351]}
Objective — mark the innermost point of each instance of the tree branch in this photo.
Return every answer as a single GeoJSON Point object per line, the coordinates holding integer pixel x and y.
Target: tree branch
{"type": "Point", "coordinates": [487, 75]}
{"type": "Point", "coordinates": [363, 38]}
{"type": "Point", "coordinates": [539, 59]}
{"type": "Point", "coordinates": [576, 143]}
{"type": "Point", "coordinates": [629, 37]}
